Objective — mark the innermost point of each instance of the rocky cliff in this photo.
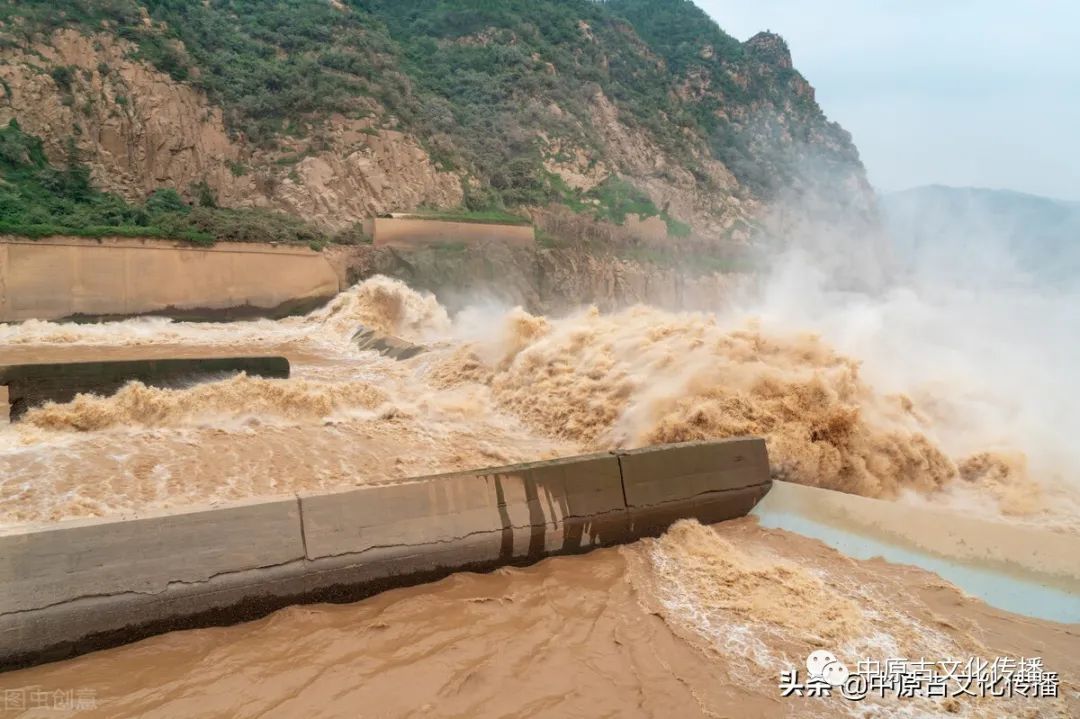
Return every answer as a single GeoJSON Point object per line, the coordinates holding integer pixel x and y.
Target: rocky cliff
{"type": "Point", "coordinates": [138, 129]}
{"type": "Point", "coordinates": [333, 111]}
{"type": "Point", "coordinates": [545, 280]}
{"type": "Point", "coordinates": [653, 151]}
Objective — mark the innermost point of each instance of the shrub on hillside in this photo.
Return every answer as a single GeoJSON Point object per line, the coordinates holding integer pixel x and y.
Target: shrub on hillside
{"type": "Point", "coordinates": [39, 200]}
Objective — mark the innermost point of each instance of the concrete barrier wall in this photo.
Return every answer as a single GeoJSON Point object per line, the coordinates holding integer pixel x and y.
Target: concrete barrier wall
{"type": "Point", "coordinates": [25, 386]}
{"type": "Point", "coordinates": [708, 481]}
{"type": "Point", "coordinates": [406, 232]}
{"type": "Point", "coordinates": [76, 586]}
{"type": "Point", "coordinates": [70, 277]}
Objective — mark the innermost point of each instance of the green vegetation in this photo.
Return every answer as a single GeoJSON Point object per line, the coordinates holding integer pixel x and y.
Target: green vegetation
{"type": "Point", "coordinates": [618, 198]}
{"type": "Point", "coordinates": [614, 199]}
{"type": "Point", "coordinates": [675, 228]}
{"type": "Point", "coordinates": [38, 200]}
{"type": "Point", "coordinates": [353, 235]}
{"type": "Point", "coordinates": [480, 82]}
{"type": "Point", "coordinates": [547, 240]}
{"type": "Point", "coordinates": [691, 261]}
{"type": "Point", "coordinates": [679, 31]}
{"type": "Point", "coordinates": [493, 77]}
{"type": "Point", "coordinates": [490, 88]}
{"type": "Point", "coordinates": [759, 116]}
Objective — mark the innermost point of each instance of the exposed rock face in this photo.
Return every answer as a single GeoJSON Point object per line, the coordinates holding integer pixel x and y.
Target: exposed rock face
{"type": "Point", "coordinates": [363, 174]}
{"type": "Point", "coordinates": [770, 48]}
{"type": "Point", "coordinates": [135, 127]}
{"type": "Point", "coordinates": [667, 182]}
{"type": "Point", "coordinates": [635, 108]}
{"type": "Point", "coordinates": [139, 130]}
{"type": "Point", "coordinates": [550, 280]}
{"type": "Point", "coordinates": [573, 277]}
{"type": "Point", "coordinates": [578, 170]}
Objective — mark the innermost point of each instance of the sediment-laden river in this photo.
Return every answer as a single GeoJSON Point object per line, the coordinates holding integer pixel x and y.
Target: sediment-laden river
{"type": "Point", "coordinates": [697, 623]}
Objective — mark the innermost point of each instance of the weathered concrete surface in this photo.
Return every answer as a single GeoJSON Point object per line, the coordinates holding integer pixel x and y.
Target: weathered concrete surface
{"type": "Point", "coordinates": [664, 473]}
{"type": "Point", "coordinates": [29, 385]}
{"type": "Point", "coordinates": [406, 232]}
{"type": "Point", "coordinates": [709, 481]}
{"type": "Point", "coordinates": [90, 570]}
{"type": "Point", "coordinates": [71, 277]}
{"type": "Point", "coordinates": [50, 564]}
{"type": "Point", "coordinates": [524, 509]}
{"type": "Point", "coordinates": [79, 586]}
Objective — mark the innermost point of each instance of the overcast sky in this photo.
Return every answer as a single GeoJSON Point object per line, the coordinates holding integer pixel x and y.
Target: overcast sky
{"type": "Point", "coordinates": [981, 93]}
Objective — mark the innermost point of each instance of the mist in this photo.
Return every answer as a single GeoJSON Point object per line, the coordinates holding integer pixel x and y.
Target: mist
{"type": "Point", "coordinates": [975, 324]}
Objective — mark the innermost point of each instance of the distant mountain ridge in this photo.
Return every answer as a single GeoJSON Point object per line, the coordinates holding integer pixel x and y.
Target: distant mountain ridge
{"type": "Point", "coordinates": [987, 228]}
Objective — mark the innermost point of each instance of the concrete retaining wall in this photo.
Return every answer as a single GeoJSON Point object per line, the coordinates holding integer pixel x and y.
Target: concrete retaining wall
{"type": "Point", "coordinates": [1049, 557]}
{"type": "Point", "coordinates": [25, 386]}
{"type": "Point", "coordinates": [695, 479]}
{"type": "Point", "coordinates": [70, 277]}
{"type": "Point", "coordinates": [75, 586]}
{"type": "Point", "coordinates": [407, 232]}
{"type": "Point", "coordinates": [1022, 568]}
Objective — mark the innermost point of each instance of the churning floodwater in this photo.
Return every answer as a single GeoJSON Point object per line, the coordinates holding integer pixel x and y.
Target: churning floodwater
{"type": "Point", "coordinates": [494, 386]}
{"type": "Point", "coordinates": [696, 623]}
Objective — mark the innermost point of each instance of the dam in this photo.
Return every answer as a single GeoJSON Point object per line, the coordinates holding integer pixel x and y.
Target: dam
{"type": "Point", "coordinates": [88, 279]}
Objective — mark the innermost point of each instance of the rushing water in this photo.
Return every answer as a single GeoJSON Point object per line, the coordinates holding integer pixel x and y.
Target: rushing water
{"type": "Point", "coordinates": [697, 623]}
{"type": "Point", "coordinates": [494, 387]}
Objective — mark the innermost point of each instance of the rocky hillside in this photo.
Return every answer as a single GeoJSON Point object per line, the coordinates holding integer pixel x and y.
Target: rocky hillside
{"type": "Point", "coordinates": [635, 113]}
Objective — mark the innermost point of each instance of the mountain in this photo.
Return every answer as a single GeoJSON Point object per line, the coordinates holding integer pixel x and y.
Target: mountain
{"type": "Point", "coordinates": [998, 233]}
{"type": "Point", "coordinates": [596, 114]}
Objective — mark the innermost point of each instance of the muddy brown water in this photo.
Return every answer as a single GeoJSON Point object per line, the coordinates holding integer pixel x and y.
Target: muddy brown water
{"type": "Point", "coordinates": [697, 623]}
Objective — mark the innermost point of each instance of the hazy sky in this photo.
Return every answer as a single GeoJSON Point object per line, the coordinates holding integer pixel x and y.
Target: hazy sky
{"type": "Point", "coordinates": [959, 92]}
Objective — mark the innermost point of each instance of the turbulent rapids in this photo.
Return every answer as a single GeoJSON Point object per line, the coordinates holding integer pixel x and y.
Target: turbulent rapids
{"type": "Point", "coordinates": [496, 386]}
{"type": "Point", "coordinates": [694, 623]}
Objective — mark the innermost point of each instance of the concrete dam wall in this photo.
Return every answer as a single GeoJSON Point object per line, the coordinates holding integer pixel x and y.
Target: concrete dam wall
{"type": "Point", "coordinates": [80, 585]}
{"type": "Point", "coordinates": [71, 278]}
{"type": "Point", "coordinates": [407, 232]}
